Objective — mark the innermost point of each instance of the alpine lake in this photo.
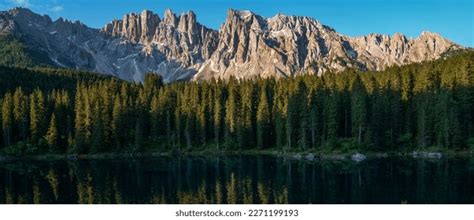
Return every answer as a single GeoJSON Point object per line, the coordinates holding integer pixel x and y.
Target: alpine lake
{"type": "Point", "coordinates": [239, 179]}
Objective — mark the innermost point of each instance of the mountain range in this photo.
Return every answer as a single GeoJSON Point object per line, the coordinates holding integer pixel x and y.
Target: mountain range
{"type": "Point", "coordinates": [178, 47]}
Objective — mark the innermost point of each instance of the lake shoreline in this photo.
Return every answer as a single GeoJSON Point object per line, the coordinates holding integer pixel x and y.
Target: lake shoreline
{"type": "Point", "coordinates": [304, 156]}
{"type": "Point", "coordinates": [212, 179]}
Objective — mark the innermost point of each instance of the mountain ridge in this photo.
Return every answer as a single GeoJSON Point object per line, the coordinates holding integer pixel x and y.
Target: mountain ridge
{"type": "Point", "coordinates": [247, 45]}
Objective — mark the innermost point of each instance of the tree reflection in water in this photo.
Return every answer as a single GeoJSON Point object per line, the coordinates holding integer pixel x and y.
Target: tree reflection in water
{"type": "Point", "coordinates": [245, 179]}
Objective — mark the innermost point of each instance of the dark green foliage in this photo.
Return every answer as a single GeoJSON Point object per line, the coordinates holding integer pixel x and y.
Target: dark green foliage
{"type": "Point", "coordinates": [7, 119]}
{"type": "Point", "coordinates": [62, 111]}
{"type": "Point", "coordinates": [13, 52]}
{"type": "Point", "coordinates": [263, 120]}
{"type": "Point", "coordinates": [52, 137]}
{"type": "Point", "coordinates": [45, 79]}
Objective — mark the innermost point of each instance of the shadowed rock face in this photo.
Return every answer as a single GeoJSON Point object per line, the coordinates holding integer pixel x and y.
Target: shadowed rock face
{"type": "Point", "coordinates": [247, 45]}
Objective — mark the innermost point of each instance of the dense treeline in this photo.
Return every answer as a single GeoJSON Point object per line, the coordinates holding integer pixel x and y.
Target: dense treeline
{"type": "Point", "coordinates": [13, 52]}
{"type": "Point", "coordinates": [415, 106]}
{"type": "Point", "coordinates": [44, 79]}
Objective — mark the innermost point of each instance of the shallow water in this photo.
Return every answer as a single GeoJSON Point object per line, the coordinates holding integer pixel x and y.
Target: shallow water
{"type": "Point", "coordinates": [245, 179]}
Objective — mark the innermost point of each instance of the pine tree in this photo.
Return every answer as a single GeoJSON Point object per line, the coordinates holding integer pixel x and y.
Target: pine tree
{"type": "Point", "coordinates": [178, 126]}
{"type": "Point", "coordinates": [37, 115]}
{"type": "Point", "coordinates": [315, 109]}
{"type": "Point", "coordinates": [152, 83]}
{"type": "Point", "coordinates": [188, 131]}
{"type": "Point", "coordinates": [201, 116]}
{"type": "Point", "coordinates": [52, 136]}
{"type": "Point", "coordinates": [7, 119]}
{"type": "Point", "coordinates": [247, 111]}
{"type": "Point", "coordinates": [423, 88]}
{"type": "Point", "coordinates": [139, 136]}
{"type": "Point", "coordinates": [79, 124]}
{"type": "Point", "coordinates": [155, 113]}
{"type": "Point", "coordinates": [263, 120]}
{"type": "Point", "coordinates": [217, 117]}
{"type": "Point", "coordinates": [87, 117]}
{"type": "Point", "coordinates": [358, 110]}
{"type": "Point", "coordinates": [330, 116]}
{"type": "Point", "coordinates": [98, 131]}
{"type": "Point", "coordinates": [169, 129]}
{"type": "Point", "coordinates": [231, 117]}
{"type": "Point", "coordinates": [279, 116]}
{"type": "Point", "coordinates": [20, 111]}
{"type": "Point", "coordinates": [302, 101]}
{"type": "Point", "coordinates": [117, 123]}
{"type": "Point", "coordinates": [291, 121]}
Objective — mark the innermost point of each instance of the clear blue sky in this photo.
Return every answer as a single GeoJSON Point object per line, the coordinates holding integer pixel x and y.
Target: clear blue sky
{"type": "Point", "coordinates": [453, 19]}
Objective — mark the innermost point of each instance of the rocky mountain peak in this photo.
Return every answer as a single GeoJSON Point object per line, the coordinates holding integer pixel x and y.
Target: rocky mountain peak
{"type": "Point", "coordinates": [170, 18]}
{"type": "Point", "coordinates": [147, 26]}
{"type": "Point", "coordinates": [400, 37]}
{"type": "Point", "coordinates": [244, 14]}
{"type": "Point", "coordinates": [429, 34]}
{"type": "Point", "coordinates": [246, 45]}
{"type": "Point", "coordinates": [19, 11]}
{"type": "Point", "coordinates": [187, 22]}
{"type": "Point", "coordinates": [146, 14]}
{"type": "Point", "coordinates": [25, 15]}
{"type": "Point", "coordinates": [282, 45]}
{"type": "Point", "coordinates": [135, 27]}
{"type": "Point", "coordinates": [166, 44]}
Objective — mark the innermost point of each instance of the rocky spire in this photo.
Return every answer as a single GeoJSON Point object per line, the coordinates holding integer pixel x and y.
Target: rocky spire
{"type": "Point", "coordinates": [170, 18]}
{"type": "Point", "coordinates": [136, 27]}
{"type": "Point", "coordinates": [247, 45]}
{"type": "Point", "coordinates": [283, 45]}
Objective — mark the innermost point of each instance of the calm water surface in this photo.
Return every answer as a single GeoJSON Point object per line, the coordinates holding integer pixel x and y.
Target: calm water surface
{"type": "Point", "coordinates": [245, 179]}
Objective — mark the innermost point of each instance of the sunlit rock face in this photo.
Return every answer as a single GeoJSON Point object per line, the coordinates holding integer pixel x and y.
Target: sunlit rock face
{"type": "Point", "coordinates": [245, 46]}
{"type": "Point", "coordinates": [282, 46]}
{"type": "Point", "coordinates": [175, 46]}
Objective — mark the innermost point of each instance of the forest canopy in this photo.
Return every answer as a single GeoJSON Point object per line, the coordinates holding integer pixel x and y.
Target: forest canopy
{"type": "Point", "coordinates": [53, 111]}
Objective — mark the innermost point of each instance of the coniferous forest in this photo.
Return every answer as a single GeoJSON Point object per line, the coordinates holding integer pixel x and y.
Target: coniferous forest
{"type": "Point", "coordinates": [418, 106]}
